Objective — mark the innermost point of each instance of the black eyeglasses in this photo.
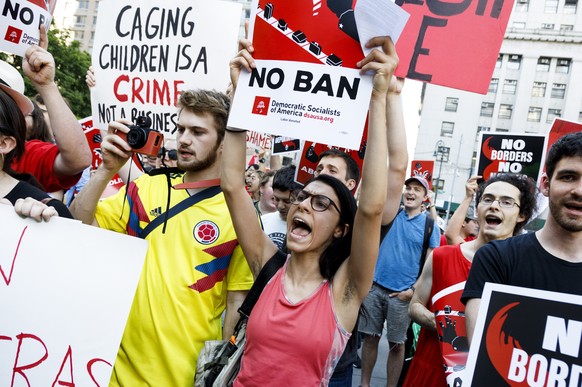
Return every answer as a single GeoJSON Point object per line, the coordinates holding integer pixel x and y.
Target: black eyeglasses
{"type": "Point", "coordinates": [319, 203]}
{"type": "Point", "coordinates": [172, 154]}
{"type": "Point", "coordinates": [504, 202]}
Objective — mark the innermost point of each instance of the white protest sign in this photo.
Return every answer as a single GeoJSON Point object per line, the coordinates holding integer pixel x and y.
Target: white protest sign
{"type": "Point", "coordinates": [20, 21]}
{"type": "Point", "coordinates": [65, 293]}
{"type": "Point", "coordinates": [303, 100]}
{"type": "Point", "coordinates": [145, 53]}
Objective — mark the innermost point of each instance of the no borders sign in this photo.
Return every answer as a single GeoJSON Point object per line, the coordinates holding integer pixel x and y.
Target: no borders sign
{"type": "Point", "coordinates": [526, 337]}
{"type": "Point", "coordinates": [65, 294]}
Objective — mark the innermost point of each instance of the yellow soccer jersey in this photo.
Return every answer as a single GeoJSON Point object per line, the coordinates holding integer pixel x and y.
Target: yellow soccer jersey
{"type": "Point", "coordinates": [182, 290]}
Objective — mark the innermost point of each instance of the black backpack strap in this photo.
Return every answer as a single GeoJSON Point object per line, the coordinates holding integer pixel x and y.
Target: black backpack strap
{"type": "Point", "coordinates": [428, 227]}
{"type": "Point", "coordinates": [266, 273]}
{"type": "Point", "coordinates": [186, 203]}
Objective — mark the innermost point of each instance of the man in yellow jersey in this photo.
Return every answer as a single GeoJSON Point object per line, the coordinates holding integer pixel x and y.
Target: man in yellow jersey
{"type": "Point", "coordinates": [194, 268]}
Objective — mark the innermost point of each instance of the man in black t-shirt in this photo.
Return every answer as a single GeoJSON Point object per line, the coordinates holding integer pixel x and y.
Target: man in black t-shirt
{"type": "Point", "coordinates": [550, 259]}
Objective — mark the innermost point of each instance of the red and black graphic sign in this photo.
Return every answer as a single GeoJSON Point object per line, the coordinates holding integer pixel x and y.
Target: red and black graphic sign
{"type": "Point", "coordinates": [561, 128]}
{"type": "Point", "coordinates": [261, 105]}
{"type": "Point", "coordinates": [423, 168]}
{"type": "Point", "coordinates": [529, 341]}
{"type": "Point", "coordinates": [311, 151]}
{"type": "Point", "coordinates": [515, 153]}
{"type": "Point", "coordinates": [302, 30]}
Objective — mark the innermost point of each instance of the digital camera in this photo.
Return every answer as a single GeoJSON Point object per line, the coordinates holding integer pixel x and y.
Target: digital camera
{"type": "Point", "coordinates": [142, 139]}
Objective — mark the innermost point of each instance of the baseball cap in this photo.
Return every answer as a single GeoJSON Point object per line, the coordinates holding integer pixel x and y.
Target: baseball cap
{"type": "Point", "coordinates": [419, 179]}
{"type": "Point", "coordinates": [11, 82]}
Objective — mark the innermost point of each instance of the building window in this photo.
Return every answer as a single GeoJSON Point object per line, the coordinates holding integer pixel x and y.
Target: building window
{"type": "Point", "coordinates": [539, 89]}
{"type": "Point", "coordinates": [552, 114]}
{"type": "Point", "coordinates": [514, 62]}
{"type": "Point", "coordinates": [551, 6]}
{"type": "Point", "coordinates": [499, 61]}
{"type": "Point", "coordinates": [558, 90]}
{"type": "Point", "coordinates": [566, 27]}
{"type": "Point", "coordinates": [481, 129]}
{"type": "Point", "coordinates": [79, 35]}
{"type": "Point", "coordinates": [521, 5]}
{"type": "Point", "coordinates": [509, 86]}
{"type": "Point", "coordinates": [80, 20]}
{"type": "Point", "coordinates": [570, 6]}
{"type": "Point", "coordinates": [451, 104]}
{"type": "Point", "coordinates": [563, 66]}
{"type": "Point", "coordinates": [84, 4]}
{"type": "Point", "coordinates": [487, 109]}
{"type": "Point", "coordinates": [534, 114]}
{"type": "Point", "coordinates": [547, 26]}
{"type": "Point", "coordinates": [505, 111]}
{"type": "Point", "coordinates": [501, 130]}
{"type": "Point", "coordinates": [438, 184]}
{"type": "Point", "coordinates": [543, 64]}
{"type": "Point", "coordinates": [447, 129]}
{"type": "Point", "coordinates": [493, 85]}
{"type": "Point", "coordinates": [518, 25]}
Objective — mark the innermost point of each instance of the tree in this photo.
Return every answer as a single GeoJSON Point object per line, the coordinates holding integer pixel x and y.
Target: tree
{"type": "Point", "coordinates": [71, 66]}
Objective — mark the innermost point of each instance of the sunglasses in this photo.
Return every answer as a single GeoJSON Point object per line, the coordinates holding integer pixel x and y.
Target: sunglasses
{"type": "Point", "coordinates": [172, 154]}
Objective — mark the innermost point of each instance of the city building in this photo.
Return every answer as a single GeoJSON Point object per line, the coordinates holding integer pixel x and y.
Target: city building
{"type": "Point", "coordinates": [533, 82]}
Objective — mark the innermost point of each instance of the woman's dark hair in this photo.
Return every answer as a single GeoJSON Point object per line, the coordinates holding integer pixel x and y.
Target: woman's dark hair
{"type": "Point", "coordinates": [339, 249]}
{"type": "Point", "coordinates": [11, 124]}
{"type": "Point", "coordinates": [39, 129]}
{"type": "Point", "coordinates": [527, 194]}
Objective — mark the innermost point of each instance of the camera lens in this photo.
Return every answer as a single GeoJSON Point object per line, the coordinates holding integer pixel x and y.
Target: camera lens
{"type": "Point", "coordinates": [137, 138]}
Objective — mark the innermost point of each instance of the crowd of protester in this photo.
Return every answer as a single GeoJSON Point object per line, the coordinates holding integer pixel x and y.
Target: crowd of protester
{"type": "Point", "coordinates": [353, 271]}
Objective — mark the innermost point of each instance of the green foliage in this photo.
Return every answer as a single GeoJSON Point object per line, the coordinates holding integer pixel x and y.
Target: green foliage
{"type": "Point", "coordinates": [71, 66]}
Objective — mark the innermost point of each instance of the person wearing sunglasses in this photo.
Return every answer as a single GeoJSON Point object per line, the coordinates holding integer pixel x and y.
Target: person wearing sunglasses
{"type": "Point", "coordinates": [168, 155]}
{"type": "Point", "coordinates": [311, 304]}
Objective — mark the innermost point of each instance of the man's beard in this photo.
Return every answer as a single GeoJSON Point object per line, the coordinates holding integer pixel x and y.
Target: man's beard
{"type": "Point", "coordinates": [200, 165]}
{"type": "Point", "coordinates": [566, 223]}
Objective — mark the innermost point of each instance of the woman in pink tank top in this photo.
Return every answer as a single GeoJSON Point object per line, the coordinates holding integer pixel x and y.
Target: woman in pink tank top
{"type": "Point", "coordinates": [300, 325]}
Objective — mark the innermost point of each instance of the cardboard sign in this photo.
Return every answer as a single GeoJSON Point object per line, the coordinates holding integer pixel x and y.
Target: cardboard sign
{"type": "Point", "coordinates": [258, 140]}
{"type": "Point", "coordinates": [20, 21]}
{"type": "Point", "coordinates": [423, 168]}
{"type": "Point", "coordinates": [525, 337]}
{"type": "Point", "coordinates": [146, 53]}
{"type": "Point", "coordinates": [515, 153]}
{"type": "Point", "coordinates": [291, 92]}
{"type": "Point", "coordinates": [452, 44]}
{"type": "Point", "coordinates": [64, 303]}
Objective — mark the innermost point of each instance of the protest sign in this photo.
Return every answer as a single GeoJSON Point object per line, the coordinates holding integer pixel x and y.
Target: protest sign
{"type": "Point", "coordinates": [291, 93]}
{"type": "Point", "coordinates": [283, 144]}
{"type": "Point", "coordinates": [525, 337]}
{"type": "Point", "coordinates": [560, 128]}
{"type": "Point", "coordinates": [145, 54]}
{"type": "Point", "coordinates": [424, 169]}
{"type": "Point", "coordinates": [454, 44]}
{"type": "Point", "coordinates": [20, 22]}
{"type": "Point", "coordinates": [258, 141]}
{"type": "Point", "coordinates": [311, 152]}
{"type": "Point", "coordinates": [505, 152]}
{"type": "Point", "coordinates": [65, 293]}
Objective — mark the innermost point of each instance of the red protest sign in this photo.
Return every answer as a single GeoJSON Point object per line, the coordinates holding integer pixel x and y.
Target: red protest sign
{"type": "Point", "coordinates": [452, 44]}
{"type": "Point", "coordinates": [422, 168]}
{"type": "Point", "coordinates": [560, 128]}
{"type": "Point", "coordinates": [310, 157]}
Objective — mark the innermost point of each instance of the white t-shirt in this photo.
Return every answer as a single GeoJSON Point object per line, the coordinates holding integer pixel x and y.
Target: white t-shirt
{"type": "Point", "coordinates": [275, 228]}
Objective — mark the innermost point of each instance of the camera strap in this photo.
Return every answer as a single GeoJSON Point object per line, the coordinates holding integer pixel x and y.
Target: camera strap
{"type": "Point", "coordinates": [184, 204]}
